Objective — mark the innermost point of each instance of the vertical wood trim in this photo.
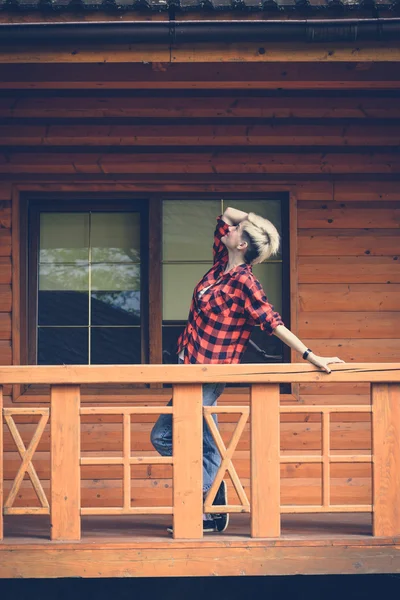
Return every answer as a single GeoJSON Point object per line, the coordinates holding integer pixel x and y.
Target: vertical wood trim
{"type": "Point", "coordinates": [294, 291]}
{"type": "Point", "coordinates": [265, 460]}
{"type": "Point", "coordinates": [65, 458]}
{"type": "Point", "coordinates": [155, 278]}
{"type": "Point", "coordinates": [33, 225]}
{"type": "Point", "coordinates": [1, 464]}
{"type": "Point", "coordinates": [15, 285]}
{"type": "Point", "coordinates": [326, 465]}
{"type": "Point", "coordinates": [127, 456]}
{"type": "Point", "coordinates": [188, 461]}
{"type": "Point", "coordinates": [386, 457]}
{"type": "Point", "coordinates": [15, 279]}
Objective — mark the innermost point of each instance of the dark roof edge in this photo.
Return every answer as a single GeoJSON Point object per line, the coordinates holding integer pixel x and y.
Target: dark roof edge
{"type": "Point", "coordinates": [175, 32]}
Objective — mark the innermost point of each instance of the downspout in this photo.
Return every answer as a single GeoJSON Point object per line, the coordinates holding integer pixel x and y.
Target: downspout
{"type": "Point", "coordinates": [180, 32]}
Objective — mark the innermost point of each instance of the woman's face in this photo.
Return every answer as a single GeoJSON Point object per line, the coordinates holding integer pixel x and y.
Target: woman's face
{"type": "Point", "coordinates": [233, 239]}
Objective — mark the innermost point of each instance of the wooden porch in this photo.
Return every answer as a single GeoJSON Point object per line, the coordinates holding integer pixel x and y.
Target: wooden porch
{"type": "Point", "coordinates": [59, 537]}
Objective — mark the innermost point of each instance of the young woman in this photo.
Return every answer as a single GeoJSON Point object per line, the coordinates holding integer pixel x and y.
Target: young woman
{"type": "Point", "coordinates": [226, 305]}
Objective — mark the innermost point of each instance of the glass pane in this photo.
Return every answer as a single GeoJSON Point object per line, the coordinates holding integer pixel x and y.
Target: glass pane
{"type": "Point", "coordinates": [64, 237]}
{"type": "Point", "coordinates": [63, 308]}
{"type": "Point", "coordinates": [170, 334]}
{"type": "Point", "coordinates": [63, 277]}
{"type": "Point", "coordinates": [115, 237]}
{"type": "Point", "coordinates": [63, 346]}
{"type": "Point", "coordinates": [115, 308]}
{"type": "Point", "coordinates": [270, 277]}
{"type": "Point", "coordinates": [188, 228]}
{"type": "Point", "coordinates": [179, 282]}
{"type": "Point", "coordinates": [115, 277]}
{"type": "Point", "coordinates": [269, 344]}
{"type": "Point", "coordinates": [115, 346]}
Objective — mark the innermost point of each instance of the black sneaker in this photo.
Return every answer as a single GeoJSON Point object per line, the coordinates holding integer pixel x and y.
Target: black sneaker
{"type": "Point", "coordinates": [209, 526]}
{"type": "Point", "coordinates": [221, 499]}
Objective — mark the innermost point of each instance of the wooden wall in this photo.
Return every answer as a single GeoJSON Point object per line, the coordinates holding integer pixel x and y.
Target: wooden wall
{"type": "Point", "coordinates": [336, 153]}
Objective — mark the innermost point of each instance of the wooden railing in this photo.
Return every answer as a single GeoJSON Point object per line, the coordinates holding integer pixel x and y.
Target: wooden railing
{"type": "Point", "coordinates": [64, 504]}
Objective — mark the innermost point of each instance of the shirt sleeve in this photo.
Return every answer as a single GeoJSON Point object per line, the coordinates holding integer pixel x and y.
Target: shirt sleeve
{"type": "Point", "coordinates": [259, 309]}
{"type": "Point", "coordinates": [220, 253]}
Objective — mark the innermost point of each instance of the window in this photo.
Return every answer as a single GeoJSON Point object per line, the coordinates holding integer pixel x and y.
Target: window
{"type": "Point", "coordinates": [188, 227]}
{"type": "Point", "coordinates": [85, 286]}
{"type": "Point", "coordinates": [89, 292]}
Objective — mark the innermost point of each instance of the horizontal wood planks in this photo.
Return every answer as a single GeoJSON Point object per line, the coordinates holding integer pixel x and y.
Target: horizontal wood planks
{"type": "Point", "coordinates": [115, 552]}
{"type": "Point", "coordinates": [209, 75]}
{"type": "Point", "coordinates": [226, 130]}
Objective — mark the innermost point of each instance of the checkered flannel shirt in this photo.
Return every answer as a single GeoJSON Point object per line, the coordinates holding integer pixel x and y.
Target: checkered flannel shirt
{"type": "Point", "coordinates": [221, 319]}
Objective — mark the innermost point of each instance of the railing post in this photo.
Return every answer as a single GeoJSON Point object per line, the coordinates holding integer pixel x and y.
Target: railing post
{"type": "Point", "coordinates": [386, 458]}
{"type": "Point", "coordinates": [1, 463]}
{"type": "Point", "coordinates": [65, 457]}
{"type": "Point", "coordinates": [265, 460]}
{"type": "Point", "coordinates": [187, 455]}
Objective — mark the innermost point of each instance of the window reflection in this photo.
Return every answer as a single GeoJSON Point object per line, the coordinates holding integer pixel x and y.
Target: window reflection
{"type": "Point", "coordinates": [89, 288]}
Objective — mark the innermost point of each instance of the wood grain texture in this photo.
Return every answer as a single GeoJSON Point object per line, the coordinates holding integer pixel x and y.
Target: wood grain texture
{"type": "Point", "coordinates": [327, 216]}
{"type": "Point", "coordinates": [65, 455]}
{"type": "Point", "coordinates": [152, 105]}
{"type": "Point", "coordinates": [296, 433]}
{"type": "Point", "coordinates": [265, 465]}
{"type": "Point", "coordinates": [386, 451]}
{"type": "Point", "coordinates": [205, 52]}
{"type": "Point", "coordinates": [26, 465]}
{"type": "Point", "coordinates": [338, 297]}
{"type": "Point", "coordinates": [357, 325]}
{"type": "Point", "coordinates": [349, 269]}
{"type": "Point", "coordinates": [188, 464]}
{"type": "Point", "coordinates": [206, 75]}
{"type": "Point", "coordinates": [2, 476]}
{"type": "Point", "coordinates": [352, 487]}
{"type": "Point", "coordinates": [229, 556]}
{"type": "Point", "coordinates": [189, 374]}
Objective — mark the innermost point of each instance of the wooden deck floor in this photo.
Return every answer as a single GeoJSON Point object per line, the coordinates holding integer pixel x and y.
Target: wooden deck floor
{"type": "Point", "coordinates": [141, 547]}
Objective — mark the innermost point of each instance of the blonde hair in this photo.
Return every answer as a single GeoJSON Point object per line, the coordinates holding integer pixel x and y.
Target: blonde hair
{"type": "Point", "coordinates": [262, 239]}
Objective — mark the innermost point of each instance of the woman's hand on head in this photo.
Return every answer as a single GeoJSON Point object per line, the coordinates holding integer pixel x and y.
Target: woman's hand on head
{"type": "Point", "coordinates": [322, 362]}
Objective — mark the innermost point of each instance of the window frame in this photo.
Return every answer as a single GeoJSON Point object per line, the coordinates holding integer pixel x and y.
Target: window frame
{"type": "Point", "coordinates": [41, 206]}
{"type": "Point", "coordinates": [285, 205]}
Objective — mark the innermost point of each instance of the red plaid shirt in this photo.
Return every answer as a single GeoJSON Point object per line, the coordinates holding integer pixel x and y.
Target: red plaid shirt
{"type": "Point", "coordinates": [221, 320]}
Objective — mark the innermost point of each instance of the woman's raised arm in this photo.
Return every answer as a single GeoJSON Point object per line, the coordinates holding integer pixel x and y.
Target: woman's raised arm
{"type": "Point", "coordinates": [233, 216]}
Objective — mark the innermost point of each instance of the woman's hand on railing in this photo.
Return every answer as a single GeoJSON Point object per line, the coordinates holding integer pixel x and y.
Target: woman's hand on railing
{"type": "Point", "coordinates": [322, 362]}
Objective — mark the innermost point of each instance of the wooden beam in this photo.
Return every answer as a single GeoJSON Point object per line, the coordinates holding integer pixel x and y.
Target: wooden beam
{"type": "Point", "coordinates": [215, 52]}
{"type": "Point", "coordinates": [298, 75]}
{"type": "Point", "coordinates": [231, 556]}
{"type": "Point", "coordinates": [34, 160]}
{"type": "Point", "coordinates": [203, 373]}
{"type": "Point", "coordinates": [65, 470]}
{"type": "Point", "coordinates": [265, 461]}
{"type": "Point", "coordinates": [209, 104]}
{"type": "Point", "coordinates": [155, 279]}
{"type": "Point", "coordinates": [386, 456]}
{"type": "Point", "coordinates": [188, 464]}
{"type": "Point", "coordinates": [244, 135]}
{"type": "Point", "coordinates": [2, 475]}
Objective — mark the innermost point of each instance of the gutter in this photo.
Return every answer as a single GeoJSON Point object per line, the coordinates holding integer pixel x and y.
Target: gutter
{"type": "Point", "coordinates": [181, 32]}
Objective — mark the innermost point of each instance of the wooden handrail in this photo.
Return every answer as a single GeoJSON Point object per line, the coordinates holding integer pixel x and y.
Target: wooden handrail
{"type": "Point", "coordinates": [249, 373]}
{"type": "Point", "coordinates": [265, 506]}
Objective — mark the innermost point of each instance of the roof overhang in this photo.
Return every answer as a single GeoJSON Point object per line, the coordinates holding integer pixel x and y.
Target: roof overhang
{"type": "Point", "coordinates": [200, 31]}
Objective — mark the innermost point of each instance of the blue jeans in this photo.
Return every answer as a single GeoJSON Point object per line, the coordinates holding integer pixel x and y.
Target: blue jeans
{"type": "Point", "coordinates": [161, 435]}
